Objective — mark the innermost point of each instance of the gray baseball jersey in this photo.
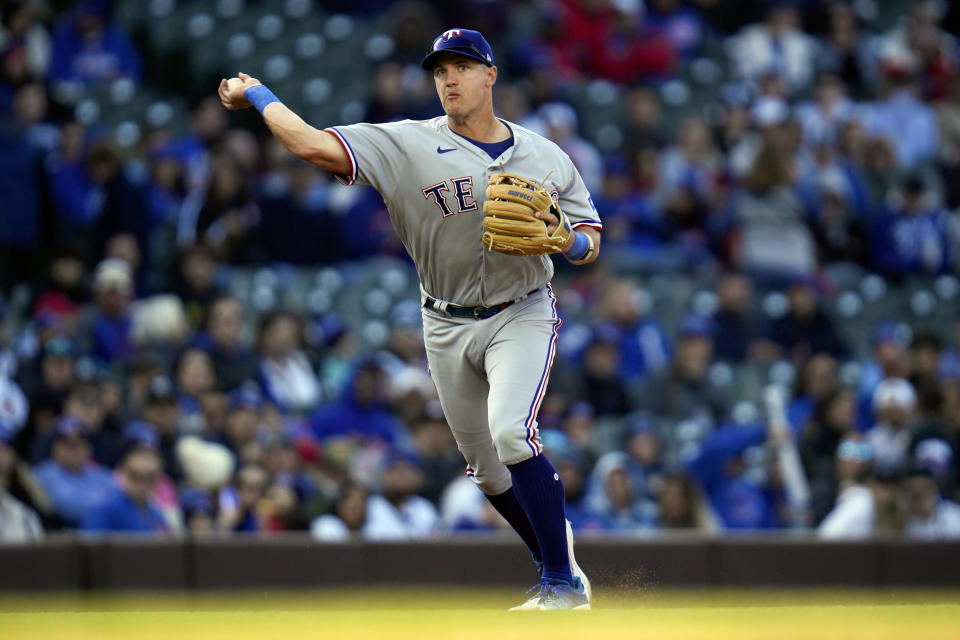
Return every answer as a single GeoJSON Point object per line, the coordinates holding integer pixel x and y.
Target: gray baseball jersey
{"type": "Point", "coordinates": [433, 182]}
{"type": "Point", "coordinates": [491, 374]}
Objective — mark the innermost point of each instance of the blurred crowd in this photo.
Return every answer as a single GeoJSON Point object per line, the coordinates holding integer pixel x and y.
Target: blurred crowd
{"type": "Point", "coordinates": [140, 393]}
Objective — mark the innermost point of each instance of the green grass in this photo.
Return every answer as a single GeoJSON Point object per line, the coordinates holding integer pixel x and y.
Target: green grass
{"type": "Point", "coordinates": [419, 613]}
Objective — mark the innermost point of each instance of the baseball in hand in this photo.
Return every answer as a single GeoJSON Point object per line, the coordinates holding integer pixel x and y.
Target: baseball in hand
{"type": "Point", "coordinates": [233, 83]}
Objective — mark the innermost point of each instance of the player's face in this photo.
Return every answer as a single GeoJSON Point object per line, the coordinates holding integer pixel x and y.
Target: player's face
{"type": "Point", "coordinates": [463, 84]}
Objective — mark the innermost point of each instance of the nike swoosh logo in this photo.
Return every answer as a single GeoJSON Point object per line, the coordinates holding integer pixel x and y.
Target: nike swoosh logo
{"type": "Point", "coordinates": [439, 150]}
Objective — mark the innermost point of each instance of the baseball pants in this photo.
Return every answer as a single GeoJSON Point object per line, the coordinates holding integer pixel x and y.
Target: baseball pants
{"type": "Point", "coordinates": [491, 376]}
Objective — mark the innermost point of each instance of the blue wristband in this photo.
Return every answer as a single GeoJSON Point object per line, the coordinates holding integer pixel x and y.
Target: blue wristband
{"type": "Point", "coordinates": [581, 244]}
{"type": "Point", "coordinates": [259, 96]}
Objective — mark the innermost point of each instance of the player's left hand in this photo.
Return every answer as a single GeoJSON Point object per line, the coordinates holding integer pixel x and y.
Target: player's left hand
{"type": "Point", "coordinates": [552, 223]}
{"type": "Point", "coordinates": [233, 99]}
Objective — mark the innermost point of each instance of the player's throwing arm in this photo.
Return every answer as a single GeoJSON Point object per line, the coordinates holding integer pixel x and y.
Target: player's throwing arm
{"type": "Point", "coordinates": [307, 143]}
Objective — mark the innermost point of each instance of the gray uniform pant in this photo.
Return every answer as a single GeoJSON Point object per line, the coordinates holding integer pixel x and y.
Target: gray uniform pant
{"type": "Point", "coordinates": [491, 376]}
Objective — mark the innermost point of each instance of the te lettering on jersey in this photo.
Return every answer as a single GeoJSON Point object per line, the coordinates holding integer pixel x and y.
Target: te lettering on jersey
{"type": "Point", "coordinates": [463, 198]}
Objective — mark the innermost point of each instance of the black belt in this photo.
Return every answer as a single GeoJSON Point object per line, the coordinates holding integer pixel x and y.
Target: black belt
{"type": "Point", "coordinates": [478, 313]}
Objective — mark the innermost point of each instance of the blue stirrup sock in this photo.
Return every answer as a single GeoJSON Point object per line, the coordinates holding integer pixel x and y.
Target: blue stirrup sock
{"type": "Point", "coordinates": [509, 507]}
{"type": "Point", "coordinates": [540, 492]}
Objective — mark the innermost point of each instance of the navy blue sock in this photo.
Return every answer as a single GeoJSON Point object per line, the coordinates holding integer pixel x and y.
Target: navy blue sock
{"type": "Point", "coordinates": [509, 507]}
{"type": "Point", "coordinates": [539, 490]}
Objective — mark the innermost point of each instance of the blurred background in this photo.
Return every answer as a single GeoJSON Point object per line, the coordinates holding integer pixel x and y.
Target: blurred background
{"type": "Point", "coordinates": [201, 335]}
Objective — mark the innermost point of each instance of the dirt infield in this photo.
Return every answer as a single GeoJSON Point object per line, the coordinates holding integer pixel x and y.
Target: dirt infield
{"type": "Point", "coordinates": [418, 614]}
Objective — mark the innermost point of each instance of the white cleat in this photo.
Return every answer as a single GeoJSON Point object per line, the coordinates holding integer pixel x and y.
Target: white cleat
{"type": "Point", "coordinates": [556, 597]}
{"type": "Point", "coordinates": [575, 568]}
{"type": "Point", "coordinates": [548, 596]}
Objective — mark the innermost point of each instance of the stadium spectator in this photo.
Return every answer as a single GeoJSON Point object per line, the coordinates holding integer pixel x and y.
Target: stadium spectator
{"type": "Point", "coordinates": [847, 51]}
{"type": "Point", "coordinates": [948, 114]}
{"type": "Point", "coordinates": [889, 359]}
{"type": "Point", "coordinates": [194, 376]}
{"type": "Point", "coordinates": [562, 128]}
{"type": "Point", "coordinates": [437, 453]}
{"type": "Point", "coordinates": [775, 45]}
{"type": "Point", "coordinates": [129, 507]}
{"type": "Point", "coordinates": [331, 335]}
{"type": "Point", "coordinates": [23, 34]}
{"type": "Point", "coordinates": [613, 499]}
{"type": "Point", "coordinates": [642, 344]}
{"type": "Point", "coordinates": [74, 482]}
{"type": "Point", "coordinates": [822, 117]}
{"type": "Point", "coordinates": [612, 42]}
{"type": "Point", "coordinates": [842, 236]}
{"type": "Point", "coordinates": [92, 193]}
{"type": "Point", "coordinates": [918, 46]}
{"type": "Point", "coordinates": [913, 239]}
{"type": "Point", "coordinates": [282, 460]}
{"type": "Point", "coordinates": [165, 496]}
{"type": "Point", "coordinates": [31, 111]}
{"type": "Point", "coordinates": [680, 23]}
{"type": "Point", "coordinates": [199, 514]}
{"type": "Point", "coordinates": [817, 380]}
{"type": "Point", "coordinates": [693, 162]}
{"type": "Point", "coordinates": [579, 428]}
{"type": "Point", "coordinates": [681, 506]}
{"type": "Point", "coordinates": [161, 409]}
{"type": "Point", "coordinates": [934, 437]}
{"type": "Point", "coordinates": [88, 48]}
{"type": "Point", "coordinates": [229, 219]}
{"type": "Point", "coordinates": [281, 506]}
{"type": "Point", "coordinates": [926, 356]}
{"type": "Point", "coordinates": [348, 518]}
{"type": "Point", "coordinates": [18, 522]}
{"type": "Point", "coordinates": [773, 241]}
{"type": "Point", "coordinates": [397, 512]}
{"type": "Point", "coordinates": [240, 503]}
{"type": "Point", "coordinates": [950, 363]}
{"type": "Point", "coordinates": [850, 467]}
{"type": "Point", "coordinates": [242, 422]}
{"type": "Point", "coordinates": [894, 405]}
{"type": "Point", "coordinates": [864, 510]}
{"type": "Point", "coordinates": [643, 120]}
{"type": "Point", "coordinates": [298, 225]}
{"type": "Point", "coordinates": [833, 421]}
{"type": "Point", "coordinates": [85, 402]}
{"type": "Point", "coordinates": [644, 448]}
{"type": "Point", "coordinates": [15, 474]}
{"type": "Point", "coordinates": [737, 335]}
{"type": "Point", "coordinates": [905, 121]}
{"type": "Point", "coordinates": [739, 500]}
{"type": "Point", "coordinates": [105, 329]}
{"type": "Point", "coordinates": [285, 373]}
{"type": "Point", "coordinates": [930, 516]}
{"type": "Point", "coordinates": [223, 339]}
{"type": "Point", "coordinates": [196, 282]}
{"type": "Point", "coordinates": [398, 95]}
{"type": "Point", "coordinates": [403, 360]}
{"type": "Point", "coordinates": [62, 289]}
{"type": "Point", "coordinates": [683, 391]}
{"type": "Point", "coordinates": [165, 193]}
{"type": "Point", "coordinates": [600, 386]}
{"type": "Point", "coordinates": [361, 413]}
{"type": "Point", "coordinates": [48, 379]}
{"type": "Point", "coordinates": [806, 328]}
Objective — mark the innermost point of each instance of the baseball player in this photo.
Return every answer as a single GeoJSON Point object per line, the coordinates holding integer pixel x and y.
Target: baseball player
{"type": "Point", "coordinates": [489, 314]}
